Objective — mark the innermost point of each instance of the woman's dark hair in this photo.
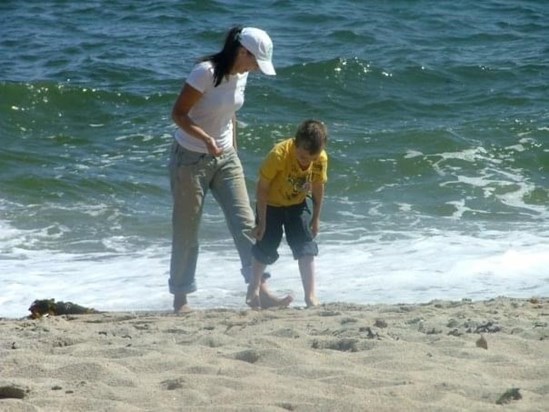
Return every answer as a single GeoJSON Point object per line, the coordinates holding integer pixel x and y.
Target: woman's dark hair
{"type": "Point", "coordinates": [311, 135]}
{"type": "Point", "coordinates": [223, 61]}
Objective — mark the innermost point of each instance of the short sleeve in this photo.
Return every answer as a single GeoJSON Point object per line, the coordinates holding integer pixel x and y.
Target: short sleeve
{"type": "Point", "coordinates": [271, 165]}
{"type": "Point", "coordinates": [201, 77]}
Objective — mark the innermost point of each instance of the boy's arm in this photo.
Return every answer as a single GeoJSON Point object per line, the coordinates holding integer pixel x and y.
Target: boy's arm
{"type": "Point", "coordinates": [262, 193]}
{"type": "Point", "coordinates": [318, 197]}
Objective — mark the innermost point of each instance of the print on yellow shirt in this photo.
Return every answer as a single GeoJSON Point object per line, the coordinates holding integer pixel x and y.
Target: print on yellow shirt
{"type": "Point", "coordinates": [290, 185]}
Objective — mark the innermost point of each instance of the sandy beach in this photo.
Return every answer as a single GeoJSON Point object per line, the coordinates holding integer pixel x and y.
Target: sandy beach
{"type": "Point", "coordinates": [437, 356]}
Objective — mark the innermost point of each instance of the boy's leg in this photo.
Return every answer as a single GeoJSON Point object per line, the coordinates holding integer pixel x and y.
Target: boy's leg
{"type": "Point", "coordinates": [180, 303]}
{"type": "Point", "coordinates": [307, 271]}
{"type": "Point", "coordinates": [265, 253]}
{"type": "Point", "coordinates": [252, 296]}
{"type": "Point", "coordinates": [304, 248]}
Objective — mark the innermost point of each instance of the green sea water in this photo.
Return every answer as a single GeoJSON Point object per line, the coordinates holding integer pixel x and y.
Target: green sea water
{"type": "Point", "coordinates": [439, 135]}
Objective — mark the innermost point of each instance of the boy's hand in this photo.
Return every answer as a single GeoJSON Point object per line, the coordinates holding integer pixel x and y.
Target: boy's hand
{"type": "Point", "coordinates": [258, 231]}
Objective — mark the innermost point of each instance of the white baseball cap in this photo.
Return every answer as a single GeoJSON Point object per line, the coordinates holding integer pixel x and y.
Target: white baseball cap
{"type": "Point", "coordinates": [258, 42]}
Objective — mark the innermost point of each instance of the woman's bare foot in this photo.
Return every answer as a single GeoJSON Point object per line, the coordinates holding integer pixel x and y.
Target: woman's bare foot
{"type": "Point", "coordinates": [268, 300]}
{"type": "Point", "coordinates": [311, 301]}
{"type": "Point", "coordinates": [180, 304]}
{"type": "Point", "coordinates": [252, 297]}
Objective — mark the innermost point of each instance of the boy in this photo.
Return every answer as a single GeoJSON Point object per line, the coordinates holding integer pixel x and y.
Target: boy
{"type": "Point", "coordinates": [293, 169]}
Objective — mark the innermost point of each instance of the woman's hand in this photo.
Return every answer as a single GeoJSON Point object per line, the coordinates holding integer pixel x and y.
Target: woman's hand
{"type": "Point", "coordinates": [212, 147]}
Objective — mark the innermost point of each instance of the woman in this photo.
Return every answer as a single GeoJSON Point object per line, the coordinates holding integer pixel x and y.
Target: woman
{"type": "Point", "coordinates": [204, 157]}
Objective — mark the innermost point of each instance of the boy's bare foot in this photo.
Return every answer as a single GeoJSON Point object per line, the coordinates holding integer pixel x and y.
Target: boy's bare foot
{"type": "Point", "coordinates": [180, 304]}
{"type": "Point", "coordinates": [252, 298]}
{"type": "Point", "coordinates": [312, 302]}
{"type": "Point", "coordinates": [268, 300]}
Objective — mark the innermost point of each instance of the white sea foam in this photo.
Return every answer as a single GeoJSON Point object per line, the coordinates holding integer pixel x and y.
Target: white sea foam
{"type": "Point", "coordinates": [403, 268]}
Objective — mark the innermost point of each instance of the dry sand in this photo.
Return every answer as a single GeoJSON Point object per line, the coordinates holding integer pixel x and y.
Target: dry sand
{"type": "Point", "coordinates": [337, 357]}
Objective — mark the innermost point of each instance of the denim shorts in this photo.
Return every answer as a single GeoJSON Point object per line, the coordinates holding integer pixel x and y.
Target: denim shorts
{"type": "Point", "coordinates": [294, 221]}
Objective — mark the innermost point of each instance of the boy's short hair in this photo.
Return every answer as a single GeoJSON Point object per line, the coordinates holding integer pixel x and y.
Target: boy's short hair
{"type": "Point", "coordinates": [311, 135]}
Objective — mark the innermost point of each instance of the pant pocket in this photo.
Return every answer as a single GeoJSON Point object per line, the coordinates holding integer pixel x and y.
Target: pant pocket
{"type": "Point", "coordinates": [183, 157]}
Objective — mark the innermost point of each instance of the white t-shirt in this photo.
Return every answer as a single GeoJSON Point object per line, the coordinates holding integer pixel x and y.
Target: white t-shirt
{"type": "Point", "coordinates": [215, 110]}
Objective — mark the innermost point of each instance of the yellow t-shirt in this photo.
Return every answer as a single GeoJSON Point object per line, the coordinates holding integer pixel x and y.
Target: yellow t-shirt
{"type": "Point", "coordinates": [290, 184]}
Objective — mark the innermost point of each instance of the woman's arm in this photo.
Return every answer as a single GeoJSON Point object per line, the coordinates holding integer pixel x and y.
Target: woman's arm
{"type": "Point", "coordinates": [234, 133]}
{"type": "Point", "coordinates": [188, 97]}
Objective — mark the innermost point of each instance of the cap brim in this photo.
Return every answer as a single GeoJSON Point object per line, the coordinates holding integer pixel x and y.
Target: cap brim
{"type": "Point", "coordinates": [266, 67]}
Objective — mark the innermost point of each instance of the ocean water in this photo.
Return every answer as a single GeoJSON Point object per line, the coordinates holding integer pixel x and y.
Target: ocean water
{"type": "Point", "coordinates": [439, 147]}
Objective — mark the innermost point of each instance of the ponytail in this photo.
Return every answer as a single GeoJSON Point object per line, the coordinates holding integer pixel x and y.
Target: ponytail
{"type": "Point", "coordinates": [223, 61]}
